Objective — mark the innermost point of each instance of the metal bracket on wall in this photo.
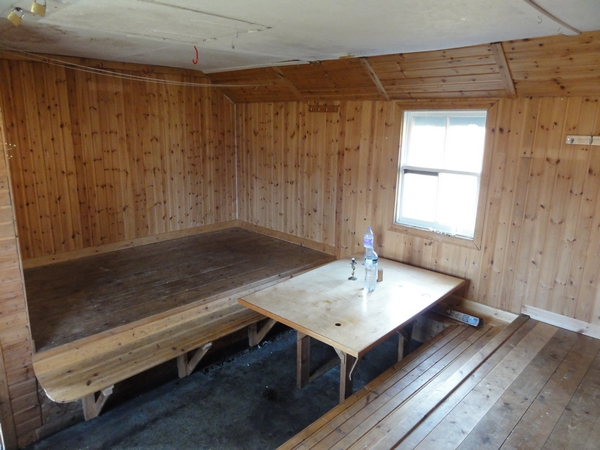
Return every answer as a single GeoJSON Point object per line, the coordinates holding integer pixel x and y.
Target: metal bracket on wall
{"type": "Point", "coordinates": [8, 148]}
{"type": "Point", "coordinates": [583, 140]}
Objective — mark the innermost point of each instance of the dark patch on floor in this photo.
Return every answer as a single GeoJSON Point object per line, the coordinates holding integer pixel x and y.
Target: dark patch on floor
{"type": "Point", "coordinates": [249, 401]}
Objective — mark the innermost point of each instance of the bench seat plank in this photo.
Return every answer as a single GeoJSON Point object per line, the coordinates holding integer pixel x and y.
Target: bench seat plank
{"type": "Point", "coordinates": [370, 417]}
{"type": "Point", "coordinates": [78, 369]}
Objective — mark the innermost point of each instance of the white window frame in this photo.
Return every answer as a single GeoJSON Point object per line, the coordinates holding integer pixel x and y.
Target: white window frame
{"type": "Point", "coordinates": [424, 229]}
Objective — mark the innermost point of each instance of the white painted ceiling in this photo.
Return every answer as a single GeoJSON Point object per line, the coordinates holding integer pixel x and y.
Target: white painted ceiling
{"type": "Point", "coordinates": [235, 34]}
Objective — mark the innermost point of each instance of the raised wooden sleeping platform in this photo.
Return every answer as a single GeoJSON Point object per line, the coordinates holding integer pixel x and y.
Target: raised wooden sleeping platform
{"type": "Point", "coordinates": [99, 320]}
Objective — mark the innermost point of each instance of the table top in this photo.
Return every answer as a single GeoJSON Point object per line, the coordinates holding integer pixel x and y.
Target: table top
{"type": "Point", "coordinates": [325, 305]}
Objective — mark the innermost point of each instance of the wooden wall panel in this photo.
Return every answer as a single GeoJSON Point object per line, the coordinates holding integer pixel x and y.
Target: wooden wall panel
{"type": "Point", "coordinates": [547, 66]}
{"type": "Point", "coordinates": [555, 65]}
{"type": "Point", "coordinates": [287, 163]}
{"type": "Point", "coordinates": [462, 72]}
{"type": "Point", "coordinates": [20, 413]}
{"type": "Point", "coordinates": [100, 159]}
{"type": "Point", "coordinates": [541, 236]}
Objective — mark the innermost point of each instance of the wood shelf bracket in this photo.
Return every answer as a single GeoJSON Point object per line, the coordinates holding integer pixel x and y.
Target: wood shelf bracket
{"type": "Point", "coordinates": [92, 405]}
{"type": "Point", "coordinates": [255, 335]}
{"type": "Point", "coordinates": [186, 366]}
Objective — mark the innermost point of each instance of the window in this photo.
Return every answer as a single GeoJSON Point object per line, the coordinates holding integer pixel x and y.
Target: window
{"type": "Point", "coordinates": [440, 171]}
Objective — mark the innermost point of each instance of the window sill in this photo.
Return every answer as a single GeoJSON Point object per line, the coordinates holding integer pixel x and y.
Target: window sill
{"type": "Point", "coordinates": [433, 236]}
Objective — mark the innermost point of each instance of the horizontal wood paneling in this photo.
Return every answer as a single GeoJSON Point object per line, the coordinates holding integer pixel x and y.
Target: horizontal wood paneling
{"type": "Point", "coordinates": [100, 160]}
{"type": "Point", "coordinates": [462, 72]}
{"type": "Point", "coordinates": [548, 66]}
{"type": "Point", "coordinates": [556, 66]}
{"type": "Point", "coordinates": [541, 238]}
{"type": "Point", "coordinates": [255, 85]}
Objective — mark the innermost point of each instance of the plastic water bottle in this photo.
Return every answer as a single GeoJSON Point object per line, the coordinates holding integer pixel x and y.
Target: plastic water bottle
{"type": "Point", "coordinates": [370, 261]}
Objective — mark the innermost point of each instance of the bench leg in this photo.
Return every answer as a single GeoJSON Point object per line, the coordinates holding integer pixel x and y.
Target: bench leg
{"type": "Point", "coordinates": [185, 367]}
{"type": "Point", "coordinates": [92, 405]}
{"type": "Point", "coordinates": [255, 336]}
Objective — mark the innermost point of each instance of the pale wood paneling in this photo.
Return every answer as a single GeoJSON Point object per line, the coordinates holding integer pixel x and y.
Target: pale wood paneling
{"type": "Point", "coordinates": [287, 162]}
{"type": "Point", "coordinates": [100, 160]}
{"type": "Point", "coordinates": [541, 239]}
{"type": "Point", "coordinates": [20, 412]}
{"type": "Point", "coordinates": [462, 72]}
{"type": "Point", "coordinates": [538, 247]}
{"type": "Point", "coordinates": [556, 65]}
{"type": "Point", "coordinates": [256, 85]}
{"type": "Point", "coordinates": [541, 67]}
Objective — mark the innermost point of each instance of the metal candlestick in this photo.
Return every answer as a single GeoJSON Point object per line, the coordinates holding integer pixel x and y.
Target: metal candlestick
{"type": "Point", "coordinates": [353, 264]}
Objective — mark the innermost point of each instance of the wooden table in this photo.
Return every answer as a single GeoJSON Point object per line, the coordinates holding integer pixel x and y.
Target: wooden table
{"type": "Point", "coordinates": [324, 304]}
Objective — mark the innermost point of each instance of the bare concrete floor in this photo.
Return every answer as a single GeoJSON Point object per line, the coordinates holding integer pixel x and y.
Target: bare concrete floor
{"type": "Point", "coordinates": [249, 401]}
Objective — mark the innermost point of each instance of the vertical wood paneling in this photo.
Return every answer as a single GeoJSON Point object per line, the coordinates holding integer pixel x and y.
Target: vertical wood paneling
{"type": "Point", "coordinates": [288, 169]}
{"type": "Point", "coordinates": [541, 236]}
{"type": "Point", "coordinates": [102, 160]}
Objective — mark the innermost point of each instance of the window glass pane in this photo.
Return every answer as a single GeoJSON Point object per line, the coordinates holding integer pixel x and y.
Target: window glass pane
{"type": "Point", "coordinates": [464, 144]}
{"type": "Point", "coordinates": [419, 197]}
{"type": "Point", "coordinates": [441, 163]}
{"type": "Point", "coordinates": [426, 143]}
{"type": "Point", "coordinates": [457, 208]}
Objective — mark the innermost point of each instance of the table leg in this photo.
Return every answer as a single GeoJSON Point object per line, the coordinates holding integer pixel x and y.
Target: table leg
{"type": "Point", "coordinates": [348, 363]}
{"type": "Point", "coordinates": [302, 359]}
{"type": "Point", "coordinates": [404, 336]}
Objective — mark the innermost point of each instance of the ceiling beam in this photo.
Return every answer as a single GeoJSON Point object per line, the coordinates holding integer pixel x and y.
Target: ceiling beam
{"type": "Point", "coordinates": [289, 84]}
{"type": "Point", "coordinates": [507, 80]}
{"type": "Point", "coordinates": [365, 62]}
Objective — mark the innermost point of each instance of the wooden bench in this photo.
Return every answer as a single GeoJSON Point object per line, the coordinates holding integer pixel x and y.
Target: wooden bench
{"type": "Point", "coordinates": [387, 411]}
{"type": "Point", "coordinates": [88, 368]}
{"type": "Point", "coordinates": [99, 320]}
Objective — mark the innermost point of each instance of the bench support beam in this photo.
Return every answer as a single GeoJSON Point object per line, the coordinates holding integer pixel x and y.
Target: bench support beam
{"type": "Point", "coordinates": [255, 335]}
{"type": "Point", "coordinates": [185, 367]}
{"type": "Point", "coordinates": [92, 405]}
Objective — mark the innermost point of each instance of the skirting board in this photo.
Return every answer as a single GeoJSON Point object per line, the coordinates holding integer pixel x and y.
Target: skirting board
{"type": "Point", "coordinates": [487, 313]}
{"type": "Point", "coordinates": [558, 320]}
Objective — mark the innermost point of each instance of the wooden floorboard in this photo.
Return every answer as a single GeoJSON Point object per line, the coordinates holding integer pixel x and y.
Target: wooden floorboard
{"type": "Point", "coordinates": [338, 415]}
{"type": "Point", "coordinates": [577, 423]}
{"type": "Point", "coordinates": [530, 385]}
{"type": "Point", "coordinates": [71, 300]}
{"type": "Point", "coordinates": [396, 391]}
{"type": "Point", "coordinates": [546, 409]}
{"type": "Point", "coordinates": [493, 429]}
{"type": "Point", "coordinates": [423, 429]}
